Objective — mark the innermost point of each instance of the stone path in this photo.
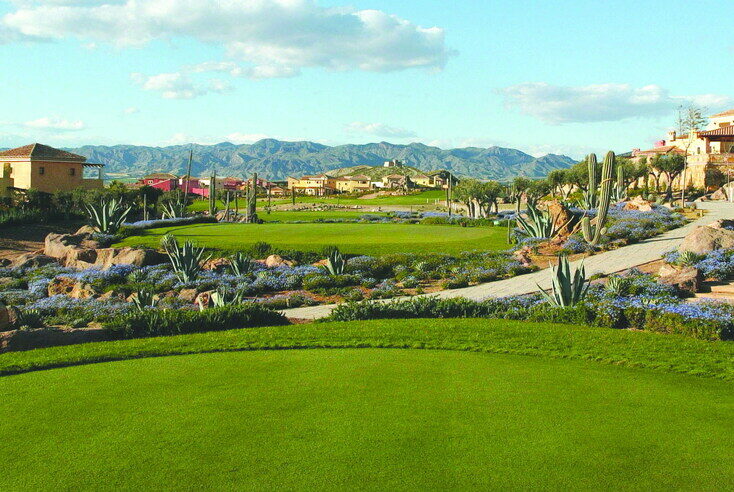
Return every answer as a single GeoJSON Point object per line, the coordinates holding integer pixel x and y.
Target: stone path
{"type": "Point", "coordinates": [606, 263]}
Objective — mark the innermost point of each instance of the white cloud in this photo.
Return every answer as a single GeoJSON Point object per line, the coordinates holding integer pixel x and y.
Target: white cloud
{"type": "Point", "coordinates": [244, 138]}
{"type": "Point", "coordinates": [275, 37]}
{"type": "Point", "coordinates": [54, 123]}
{"type": "Point", "coordinates": [379, 130]}
{"type": "Point", "coordinates": [177, 85]}
{"type": "Point", "coordinates": [131, 110]}
{"type": "Point", "coordinates": [592, 103]}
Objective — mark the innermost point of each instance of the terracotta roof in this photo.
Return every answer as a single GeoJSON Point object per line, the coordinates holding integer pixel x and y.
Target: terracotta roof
{"type": "Point", "coordinates": [41, 152]}
{"type": "Point", "coordinates": [729, 112]}
{"type": "Point", "coordinates": [725, 131]}
{"type": "Point", "coordinates": [161, 176]}
{"type": "Point", "coordinates": [663, 150]}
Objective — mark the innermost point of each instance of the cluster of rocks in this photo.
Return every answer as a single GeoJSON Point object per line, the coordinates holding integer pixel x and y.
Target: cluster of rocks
{"type": "Point", "coordinates": [688, 280]}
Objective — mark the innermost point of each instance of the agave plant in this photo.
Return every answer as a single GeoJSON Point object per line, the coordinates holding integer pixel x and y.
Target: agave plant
{"type": "Point", "coordinates": [568, 289]}
{"type": "Point", "coordinates": [689, 258]}
{"type": "Point", "coordinates": [618, 286]}
{"type": "Point", "coordinates": [221, 298]}
{"type": "Point", "coordinates": [335, 263]}
{"type": "Point", "coordinates": [174, 209]}
{"type": "Point", "coordinates": [28, 318]}
{"type": "Point", "coordinates": [143, 299]}
{"type": "Point", "coordinates": [240, 264]}
{"type": "Point", "coordinates": [108, 216]}
{"type": "Point", "coordinates": [538, 224]}
{"type": "Point", "coordinates": [186, 260]}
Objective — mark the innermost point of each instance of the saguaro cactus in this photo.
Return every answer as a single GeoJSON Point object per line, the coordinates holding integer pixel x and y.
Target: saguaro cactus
{"type": "Point", "coordinates": [590, 197]}
{"type": "Point", "coordinates": [621, 190]}
{"type": "Point", "coordinates": [251, 200]}
{"type": "Point", "coordinates": [213, 194]}
{"type": "Point", "coordinates": [593, 233]}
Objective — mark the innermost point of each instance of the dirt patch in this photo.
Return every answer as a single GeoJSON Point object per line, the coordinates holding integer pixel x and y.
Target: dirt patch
{"type": "Point", "coordinates": [18, 240]}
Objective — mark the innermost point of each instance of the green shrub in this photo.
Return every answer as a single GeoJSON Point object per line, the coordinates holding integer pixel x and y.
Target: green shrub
{"type": "Point", "coordinates": [260, 250]}
{"type": "Point", "coordinates": [321, 282]}
{"type": "Point", "coordinates": [455, 283]}
{"type": "Point", "coordinates": [155, 322]}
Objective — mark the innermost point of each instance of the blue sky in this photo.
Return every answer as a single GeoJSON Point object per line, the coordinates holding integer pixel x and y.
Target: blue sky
{"type": "Point", "coordinates": [561, 76]}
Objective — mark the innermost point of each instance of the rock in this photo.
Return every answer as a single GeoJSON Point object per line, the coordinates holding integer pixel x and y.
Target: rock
{"type": "Point", "coordinates": [86, 229]}
{"type": "Point", "coordinates": [722, 224]}
{"type": "Point", "coordinates": [705, 239]}
{"type": "Point", "coordinates": [638, 203]}
{"type": "Point", "coordinates": [70, 251]}
{"type": "Point", "coordinates": [69, 287]}
{"type": "Point", "coordinates": [112, 294]}
{"type": "Point", "coordinates": [523, 255]}
{"type": "Point", "coordinates": [31, 260]}
{"type": "Point", "coordinates": [205, 298]}
{"type": "Point", "coordinates": [61, 286]}
{"type": "Point", "coordinates": [49, 337]}
{"type": "Point", "coordinates": [216, 264]}
{"type": "Point", "coordinates": [188, 295]}
{"type": "Point", "coordinates": [687, 280]}
{"type": "Point", "coordinates": [321, 263]}
{"type": "Point", "coordinates": [720, 194]}
{"type": "Point", "coordinates": [8, 317]}
{"type": "Point", "coordinates": [563, 219]}
{"type": "Point", "coordinates": [274, 261]}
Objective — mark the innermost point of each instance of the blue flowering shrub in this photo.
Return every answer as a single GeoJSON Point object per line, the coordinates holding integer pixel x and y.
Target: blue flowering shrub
{"type": "Point", "coordinates": [634, 225]}
{"type": "Point", "coordinates": [715, 265]}
{"type": "Point", "coordinates": [644, 305]}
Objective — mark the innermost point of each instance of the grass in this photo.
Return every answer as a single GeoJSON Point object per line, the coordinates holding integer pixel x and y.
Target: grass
{"type": "Point", "coordinates": [310, 216]}
{"type": "Point", "coordinates": [369, 239]}
{"type": "Point", "coordinates": [428, 197]}
{"type": "Point", "coordinates": [663, 353]}
{"type": "Point", "coordinates": [376, 418]}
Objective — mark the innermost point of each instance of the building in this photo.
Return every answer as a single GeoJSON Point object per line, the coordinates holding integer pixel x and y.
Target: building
{"type": "Point", "coordinates": [161, 181]}
{"type": "Point", "coordinates": [710, 153]}
{"type": "Point", "coordinates": [393, 163]}
{"type": "Point", "coordinates": [319, 185]}
{"type": "Point", "coordinates": [46, 169]}
{"type": "Point", "coordinates": [353, 184]}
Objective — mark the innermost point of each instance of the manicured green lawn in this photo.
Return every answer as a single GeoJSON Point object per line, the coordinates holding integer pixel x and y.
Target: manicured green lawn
{"type": "Point", "coordinates": [310, 216]}
{"type": "Point", "coordinates": [423, 198]}
{"type": "Point", "coordinates": [380, 419]}
{"type": "Point", "coordinates": [351, 238]}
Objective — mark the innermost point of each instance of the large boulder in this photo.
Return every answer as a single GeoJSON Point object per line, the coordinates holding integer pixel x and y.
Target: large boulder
{"type": "Point", "coordinates": [49, 337]}
{"type": "Point", "coordinates": [8, 317]}
{"type": "Point", "coordinates": [31, 260]}
{"type": "Point", "coordinates": [274, 261]}
{"type": "Point", "coordinates": [86, 229]}
{"type": "Point", "coordinates": [563, 219]}
{"type": "Point", "coordinates": [705, 239]}
{"type": "Point", "coordinates": [69, 287]}
{"type": "Point", "coordinates": [719, 194]}
{"type": "Point", "coordinates": [722, 224]}
{"type": "Point", "coordinates": [216, 264]}
{"type": "Point", "coordinates": [686, 280]}
{"type": "Point", "coordinates": [638, 203]}
{"type": "Point", "coordinates": [80, 251]}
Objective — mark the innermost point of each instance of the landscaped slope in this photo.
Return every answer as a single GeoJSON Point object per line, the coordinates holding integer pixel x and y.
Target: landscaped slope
{"type": "Point", "coordinates": [374, 419]}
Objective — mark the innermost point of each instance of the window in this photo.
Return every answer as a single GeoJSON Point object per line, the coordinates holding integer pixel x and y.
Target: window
{"type": "Point", "coordinates": [72, 172]}
{"type": "Point", "coordinates": [41, 170]}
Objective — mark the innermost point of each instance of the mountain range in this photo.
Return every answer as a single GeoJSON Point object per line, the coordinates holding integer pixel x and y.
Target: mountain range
{"type": "Point", "coordinates": [276, 159]}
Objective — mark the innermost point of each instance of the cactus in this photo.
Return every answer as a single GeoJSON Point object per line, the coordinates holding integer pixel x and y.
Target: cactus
{"type": "Point", "coordinates": [251, 201]}
{"type": "Point", "coordinates": [568, 289]}
{"type": "Point", "coordinates": [590, 198]}
{"type": "Point", "coordinates": [593, 234]}
{"type": "Point", "coordinates": [620, 190]}
{"type": "Point", "coordinates": [240, 264]}
{"type": "Point", "coordinates": [143, 299]}
{"type": "Point", "coordinates": [213, 194]}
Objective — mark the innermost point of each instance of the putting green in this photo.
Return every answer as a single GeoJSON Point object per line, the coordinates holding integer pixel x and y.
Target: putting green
{"type": "Point", "coordinates": [364, 419]}
{"type": "Point", "coordinates": [368, 239]}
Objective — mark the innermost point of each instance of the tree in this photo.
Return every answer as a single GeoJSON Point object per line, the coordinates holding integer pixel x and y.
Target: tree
{"type": "Point", "coordinates": [691, 119]}
{"type": "Point", "coordinates": [557, 179]}
{"type": "Point", "coordinates": [671, 165]}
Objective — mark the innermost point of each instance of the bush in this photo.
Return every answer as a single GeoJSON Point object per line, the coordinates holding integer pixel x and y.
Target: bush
{"type": "Point", "coordinates": [321, 282]}
{"type": "Point", "coordinates": [260, 250]}
{"type": "Point", "coordinates": [155, 322]}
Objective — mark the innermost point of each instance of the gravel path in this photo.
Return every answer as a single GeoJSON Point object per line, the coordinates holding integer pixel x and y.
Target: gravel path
{"type": "Point", "coordinates": [606, 263]}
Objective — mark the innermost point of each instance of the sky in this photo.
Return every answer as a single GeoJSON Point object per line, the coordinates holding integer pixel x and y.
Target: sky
{"type": "Point", "coordinates": [552, 76]}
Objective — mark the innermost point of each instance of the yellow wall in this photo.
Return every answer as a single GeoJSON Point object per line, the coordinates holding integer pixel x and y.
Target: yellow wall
{"type": "Point", "coordinates": [56, 176]}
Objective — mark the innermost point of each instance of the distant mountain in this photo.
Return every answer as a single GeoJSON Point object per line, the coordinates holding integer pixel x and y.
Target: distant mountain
{"type": "Point", "coordinates": [275, 159]}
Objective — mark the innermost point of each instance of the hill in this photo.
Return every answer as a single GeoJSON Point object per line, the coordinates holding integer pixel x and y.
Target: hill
{"type": "Point", "coordinates": [277, 159]}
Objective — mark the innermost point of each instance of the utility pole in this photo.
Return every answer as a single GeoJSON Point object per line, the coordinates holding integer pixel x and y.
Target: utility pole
{"type": "Point", "coordinates": [188, 174]}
